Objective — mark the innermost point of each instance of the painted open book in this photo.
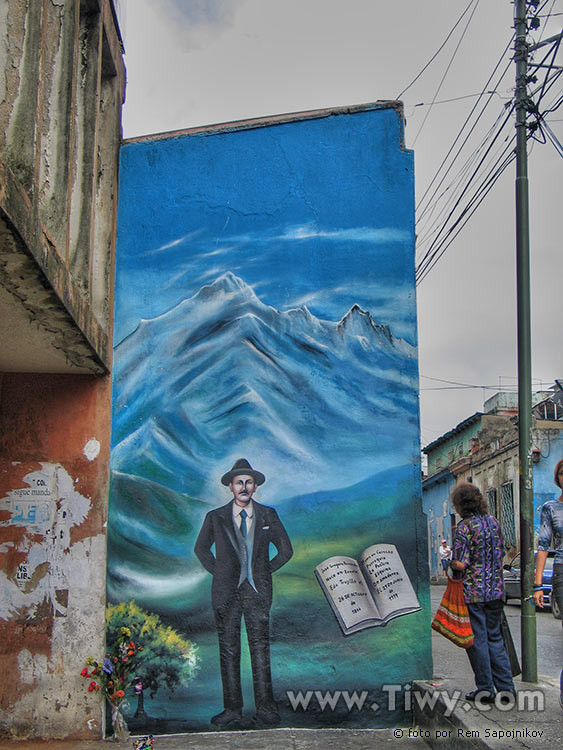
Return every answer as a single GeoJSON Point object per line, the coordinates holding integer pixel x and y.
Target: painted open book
{"type": "Point", "coordinates": [368, 592]}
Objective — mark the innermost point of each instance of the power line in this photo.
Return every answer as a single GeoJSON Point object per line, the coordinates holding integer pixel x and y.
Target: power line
{"type": "Point", "coordinates": [447, 70]}
{"type": "Point", "coordinates": [468, 118]}
{"type": "Point", "coordinates": [456, 99]}
{"type": "Point", "coordinates": [490, 140]}
{"type": "Point", "coordinates": [424, 217]}
{"type": "Point", "coordinates": [446, 233]}
{"type": "Point", "coordinates": [437, 248]}
{"type": "Point", "coordinates": [435, 55]}
{"type": "Point", "coordinates": [467, 213]}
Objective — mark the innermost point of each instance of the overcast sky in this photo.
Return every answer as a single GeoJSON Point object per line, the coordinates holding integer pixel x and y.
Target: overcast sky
{"type": "Point", "coordinates": [200, 62]}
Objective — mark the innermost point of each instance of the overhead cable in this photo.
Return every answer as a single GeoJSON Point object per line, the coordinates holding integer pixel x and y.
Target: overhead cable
{"type": "Point", "coordinates": [433, 250]}
{"type": "Point", "coordinates": [424, 217]}
{"type": "Point", "coordinates": [435, 55]}
{"type": "Point", "coordinates": [446, 71]}
{"type": "Point", "coordinates": [450, 228]}
{"type": "Point", "coordinates": [461, 131]}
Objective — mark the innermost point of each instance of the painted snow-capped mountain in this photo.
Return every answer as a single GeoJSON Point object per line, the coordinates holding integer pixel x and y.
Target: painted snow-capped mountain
{"type": "Point", "coordinates": [318, 404]}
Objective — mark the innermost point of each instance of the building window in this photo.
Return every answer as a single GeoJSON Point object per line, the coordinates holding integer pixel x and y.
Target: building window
{"type": "Point", "coordinates": [507, 514]}
{"type": "Point", "coordinates": [491, 497]}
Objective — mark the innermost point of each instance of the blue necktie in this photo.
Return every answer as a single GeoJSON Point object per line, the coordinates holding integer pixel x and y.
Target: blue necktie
{"type": "Point", "coordinates": [243, 515]}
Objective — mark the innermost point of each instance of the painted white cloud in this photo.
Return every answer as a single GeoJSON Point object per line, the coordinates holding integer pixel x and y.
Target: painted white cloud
{"type": "Point", "coordinates": [356, 234]}
{"type": "Point", "coordinates": [172, 243]}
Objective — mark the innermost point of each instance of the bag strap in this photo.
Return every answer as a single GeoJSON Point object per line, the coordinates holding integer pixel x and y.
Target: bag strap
{"type": "Point", "coordinates": [456, 575]}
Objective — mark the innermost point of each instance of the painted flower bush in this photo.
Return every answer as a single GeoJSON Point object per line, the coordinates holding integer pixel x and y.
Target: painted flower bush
{"type": "Point", "coordinates": [143, 655]}
{"type": "Point", "coordinates": [168, 659]}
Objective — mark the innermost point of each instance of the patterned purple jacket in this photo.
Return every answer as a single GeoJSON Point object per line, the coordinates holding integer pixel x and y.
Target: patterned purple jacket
{"type": "Point", "coordinates": [479, 544]}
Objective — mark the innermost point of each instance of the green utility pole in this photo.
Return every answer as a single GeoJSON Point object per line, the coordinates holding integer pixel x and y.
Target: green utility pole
{"type": "Point", "coordinates": [528, 616]}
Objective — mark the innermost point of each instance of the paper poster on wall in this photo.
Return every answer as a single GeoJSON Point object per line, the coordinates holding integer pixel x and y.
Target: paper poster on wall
{"type": "Point", "coordinates": [265, 421]}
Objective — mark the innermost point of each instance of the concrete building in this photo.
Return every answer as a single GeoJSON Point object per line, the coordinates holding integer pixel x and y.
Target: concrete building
{"type": "Point", "coordinates": [61, 89]}
{"type": "Point", "coordinates": [484, 449]}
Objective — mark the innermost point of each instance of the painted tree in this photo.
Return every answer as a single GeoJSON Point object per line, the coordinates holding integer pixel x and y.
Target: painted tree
{"type": "Point", "coordinates": [167, 658]}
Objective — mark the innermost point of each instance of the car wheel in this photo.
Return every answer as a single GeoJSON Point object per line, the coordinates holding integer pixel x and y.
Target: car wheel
{"type": "Point", "coordinates": [555, 611]}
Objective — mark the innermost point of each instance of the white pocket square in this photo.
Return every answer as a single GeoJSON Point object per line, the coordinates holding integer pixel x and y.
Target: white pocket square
{"type": "Point", "coordinates": [265, 527]}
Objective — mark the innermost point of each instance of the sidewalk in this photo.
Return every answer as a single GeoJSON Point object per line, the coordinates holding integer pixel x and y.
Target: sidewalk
{"type": "Point", "coordinates": [269, 739]}
{"type": "Point", "coordinates": [462, 726]}
{"type": "Point", "coordinates": [536, 721]}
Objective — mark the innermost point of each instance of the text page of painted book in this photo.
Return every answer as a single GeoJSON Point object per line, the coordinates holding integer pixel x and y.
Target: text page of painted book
{"type": "Point", "coordinates": [346, 590]}
{"type": "Point", "coordinates": [388, 579]}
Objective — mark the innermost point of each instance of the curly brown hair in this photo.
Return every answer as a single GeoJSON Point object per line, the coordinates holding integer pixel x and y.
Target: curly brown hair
{"type": "Point", "coordinates": [468, 500]}
{"type": "Point", "coordinates": [558, 466]}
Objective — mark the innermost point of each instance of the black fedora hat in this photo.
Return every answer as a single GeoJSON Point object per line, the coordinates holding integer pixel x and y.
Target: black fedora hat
{"type": "Point", "coordinates": [241, 466]}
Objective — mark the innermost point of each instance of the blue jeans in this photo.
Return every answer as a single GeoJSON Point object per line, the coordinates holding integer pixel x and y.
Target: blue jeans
{"type": "Point", "coordinates": [488, 656]}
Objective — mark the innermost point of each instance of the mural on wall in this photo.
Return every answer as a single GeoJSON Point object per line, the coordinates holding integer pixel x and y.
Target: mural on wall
{"type": "Point", "coordinates": [265, 439]}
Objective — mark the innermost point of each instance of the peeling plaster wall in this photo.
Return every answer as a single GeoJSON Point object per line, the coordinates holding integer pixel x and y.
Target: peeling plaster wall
{"type": "Point", "coordinates": [54, 448]}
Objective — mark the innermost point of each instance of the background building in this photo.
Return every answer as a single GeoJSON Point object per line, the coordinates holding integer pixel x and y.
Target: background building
{"type": "Point", "coordinates": [484, 449]}
{"type": "Point", "coordinates": [61, 89]}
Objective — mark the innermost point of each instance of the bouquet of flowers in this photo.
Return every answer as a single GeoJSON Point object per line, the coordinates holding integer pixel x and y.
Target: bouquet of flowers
{"type": "Point", "coordinates": [114, 675]}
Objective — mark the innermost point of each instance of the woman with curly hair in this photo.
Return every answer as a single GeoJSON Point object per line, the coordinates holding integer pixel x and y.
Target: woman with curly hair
{"type": "Point", "coordinates": [478, 552]}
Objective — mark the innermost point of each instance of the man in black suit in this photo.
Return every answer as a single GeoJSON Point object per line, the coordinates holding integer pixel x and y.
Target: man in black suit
{"type": "Point", "coordinates": [242, 532]}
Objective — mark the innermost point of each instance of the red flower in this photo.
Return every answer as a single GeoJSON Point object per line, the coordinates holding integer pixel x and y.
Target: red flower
{"type": "Point", "coordinates": [120, 694]}
{"type": "Point", "coordinates": [84, 672]}
{"type": "Point", "coordinates": [92, 686]}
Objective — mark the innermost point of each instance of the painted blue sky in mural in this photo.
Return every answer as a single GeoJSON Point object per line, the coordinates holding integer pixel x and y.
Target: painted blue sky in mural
{"type": "Point", "coordinates": [199, 258]}
{"type": "Point", "coordinates": [264, 223]}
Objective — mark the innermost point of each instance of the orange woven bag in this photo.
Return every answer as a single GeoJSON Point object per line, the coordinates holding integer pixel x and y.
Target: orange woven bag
{"type": "Point", "coordinates": [452, 617]}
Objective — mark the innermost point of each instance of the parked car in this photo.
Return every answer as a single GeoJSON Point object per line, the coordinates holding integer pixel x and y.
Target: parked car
{"type": "Point", "coordinates": [512, 581]}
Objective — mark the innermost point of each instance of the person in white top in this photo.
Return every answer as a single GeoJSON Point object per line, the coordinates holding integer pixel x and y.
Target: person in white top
{"type": "Point", "coordinates": [445, 553]}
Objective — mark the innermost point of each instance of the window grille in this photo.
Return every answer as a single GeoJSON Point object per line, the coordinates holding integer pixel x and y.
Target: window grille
{"type": "Point", "coordinates": [507, 514]}
{"type": "Point", "coordinates": [491, 497]}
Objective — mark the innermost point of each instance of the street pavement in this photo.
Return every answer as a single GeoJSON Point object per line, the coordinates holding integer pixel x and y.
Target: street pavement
{"type": "Point", "coordinates": [441, 715]}
{"type": "Point", "coordinates": [263, 739]}
{"type": "Point", "coordinates": [450, 660]}
{"type": "Point", "coordinates": [536, 722]}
